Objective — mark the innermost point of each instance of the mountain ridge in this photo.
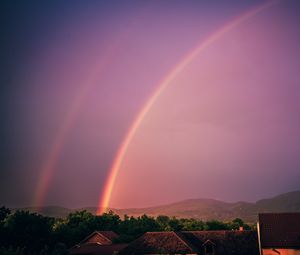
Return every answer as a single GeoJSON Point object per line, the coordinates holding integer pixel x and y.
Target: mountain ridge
{"type": "Point", "coordinates": [202, 208]}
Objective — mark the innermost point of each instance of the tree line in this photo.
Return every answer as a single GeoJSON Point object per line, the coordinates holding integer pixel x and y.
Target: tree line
{"type": "Point", "coordinates": [26, 233]}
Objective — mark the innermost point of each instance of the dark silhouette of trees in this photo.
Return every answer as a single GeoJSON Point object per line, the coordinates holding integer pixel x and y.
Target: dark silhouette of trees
{"type": "Point", "coordinates": [130, 228]}
{"type": "Point", "coordinates": [25, 233]}
{"type": "Point", "coordinates": [28, 230]}
{"type": "Point", "coordinates": [216, 225]}
{"type": "Point", "coordinates": [237, 223]}
{"type": "Point", "coordinates": [192, 224]}
{"type": "Point", "coordinates": [4, 212]}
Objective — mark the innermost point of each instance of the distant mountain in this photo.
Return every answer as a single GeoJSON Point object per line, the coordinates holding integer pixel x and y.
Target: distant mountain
{"type": "Point", "coordinates": [281, 203]}
{"type": "Point", "coordinates": [205, 209]}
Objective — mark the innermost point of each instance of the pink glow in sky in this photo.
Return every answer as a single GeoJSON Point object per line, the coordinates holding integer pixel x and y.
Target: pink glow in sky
{"type": "Point", "coordinates": [226, 127]}
{"type": "Point", "coordinates": [227, 124]}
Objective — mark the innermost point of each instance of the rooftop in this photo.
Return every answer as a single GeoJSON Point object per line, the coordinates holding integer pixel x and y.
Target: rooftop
{"type": "Point", "coordinates": [280, 230]}
{"type": "Point", "coordinates": [194, 242]}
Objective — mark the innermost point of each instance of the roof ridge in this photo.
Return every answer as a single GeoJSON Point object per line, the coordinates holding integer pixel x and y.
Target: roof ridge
{"type": "Point", "coordinates": [177, 235]}
{"type": "Point", "coordinates": [95, 232]}
{"type": "Point", "coordinates": [185, 241]}
{"type": "Point", "coordinates": [99, 232]}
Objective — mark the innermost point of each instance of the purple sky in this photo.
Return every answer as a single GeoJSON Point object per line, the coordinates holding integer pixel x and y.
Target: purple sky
{"type": "Point", "coordinates": [75, 75]}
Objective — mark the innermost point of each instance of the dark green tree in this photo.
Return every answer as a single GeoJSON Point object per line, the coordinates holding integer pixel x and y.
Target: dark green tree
{"type": "Point", "coordinates": [163, 222]}
{"type": "Point", "coordinates": [215, 225]}
{"type": "Point", "coordinates": [74, 228]}
{"type": "Point", "coordinates": [4, 212]}
{"type": "Point", "coordinates": [237, 223]}
{"type": "Point", "coordinates": [28, 230]}
{"type": "Point", "coordinates": [192, 224]}
{"type": "Point", "coordinates": [174, 225]}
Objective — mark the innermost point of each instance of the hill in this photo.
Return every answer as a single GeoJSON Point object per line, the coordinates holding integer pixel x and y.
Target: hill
{"type": "Point", "coordinates": [205, 209]}
{"type": "Point", "coordinates": [208, 209]}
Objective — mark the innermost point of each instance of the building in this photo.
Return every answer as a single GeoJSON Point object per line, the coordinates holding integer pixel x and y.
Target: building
{"type": "Point", "coordinates": [195, 242]}
{"type": "Point", "coordinates": [98, 243]}
{"type": "Point", "coordinates": [100, 237]}
{"type": "Point", "coordinates": [279, 233]}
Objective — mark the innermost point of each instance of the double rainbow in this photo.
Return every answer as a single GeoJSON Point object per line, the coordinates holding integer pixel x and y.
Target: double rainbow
{"type": "Point", "coordinates": [104, 201]}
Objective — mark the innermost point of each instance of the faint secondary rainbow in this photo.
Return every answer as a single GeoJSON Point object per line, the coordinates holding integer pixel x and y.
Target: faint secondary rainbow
{"type": "Point", "coordinates": [49, 166]}
{"type": "Point", "coordinates": [104, 200]}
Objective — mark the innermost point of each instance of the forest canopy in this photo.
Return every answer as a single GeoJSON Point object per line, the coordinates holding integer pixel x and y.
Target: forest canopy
{"type": "Point", "coordinates": [27, 233]}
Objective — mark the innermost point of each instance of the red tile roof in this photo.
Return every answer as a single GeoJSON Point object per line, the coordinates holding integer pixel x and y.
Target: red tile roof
{"type": "Point", "coordinates": [95, 249]}
{"type": "Point", "coordinates": [193, 242]}
{"type": "Point", "coordinates": [159, 243]}
{"type": "Point", "coordinates": [225, 242]}
{"type": "Point", "coordinates": [100, 237]}
{"type": "Point", "coordinates": [280, 230]}
{"type": "Point", "coordinates": [111, 235]}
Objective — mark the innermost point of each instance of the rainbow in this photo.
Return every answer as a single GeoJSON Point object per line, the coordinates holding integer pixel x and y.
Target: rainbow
{"type": "Point", "coordinates": [163, 84]}
{"type": "Point", "coordinates": [48, 168]}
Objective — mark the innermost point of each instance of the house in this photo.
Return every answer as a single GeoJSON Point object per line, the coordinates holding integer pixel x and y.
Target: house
{"type": "Point", "coordinates": [100, 237]}
{"type": "Point", "coordinates": [234, 242]}
{"type": "Point", "coordinates": [98, 243]}
{"type": "Point", "coordinates": [94, 249]}
{"type": "Point", "coordinates": [195, 242]}
{"type": "Point", "coordinates": [160, 243]}
{"type": "Point", "coordinates": [279, 233]}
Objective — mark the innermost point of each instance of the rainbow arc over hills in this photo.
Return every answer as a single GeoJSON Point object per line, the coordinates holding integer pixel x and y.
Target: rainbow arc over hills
{"type": "Point", "coordinates": [105, 198]}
